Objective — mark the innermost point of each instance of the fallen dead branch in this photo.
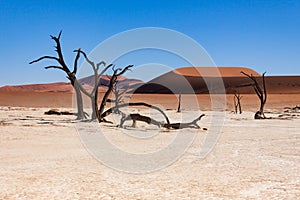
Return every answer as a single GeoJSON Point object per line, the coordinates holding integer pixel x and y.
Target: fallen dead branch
{"type": "Point", "coordinates": [137, 117]}
{"type": "Point", "coordinates": [111, 110]}
{"type": "Point", "coordinates": [57, 112]}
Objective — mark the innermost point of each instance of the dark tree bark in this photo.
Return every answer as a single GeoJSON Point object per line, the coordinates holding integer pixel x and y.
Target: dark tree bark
{"type": "Point", "coordinates": [113, 79]}
{"type": "Point", "coordinates": [71, 75]}
{"type": "Point", "coordinates": [137, 117]}
{"type": "Point", "coordinates": [261, 92]}
{"type": "Point", "coordinates": [93, 95]}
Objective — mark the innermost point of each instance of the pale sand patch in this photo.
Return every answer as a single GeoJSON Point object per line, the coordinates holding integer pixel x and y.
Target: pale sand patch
{"type": "Point", "coordinates": [42, 158]}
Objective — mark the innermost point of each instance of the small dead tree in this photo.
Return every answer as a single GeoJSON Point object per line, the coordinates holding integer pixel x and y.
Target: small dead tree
{"type": "Point", "coordinates": [261, 92]}
{"type": "Point", "coordinates": [179, 103]}
{"type": "Point", "coordinates": [71, 74]}
{"type": "Point", "coordinates": [237, 103]}
{"type": "Point", "coordinates": [119, 96]}
{"type": "Point", "coordinates": [116, 73]}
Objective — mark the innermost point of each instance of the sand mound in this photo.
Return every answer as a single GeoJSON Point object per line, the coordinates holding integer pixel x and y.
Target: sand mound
{"type": "Point", "coordinates": [51, 87]}
{"type": "Point", "coordinates": [87, 82]}
{"type": "Point", "coordinates": [204, 80]}
{"type": "Point", "coordinates": [215, 71]}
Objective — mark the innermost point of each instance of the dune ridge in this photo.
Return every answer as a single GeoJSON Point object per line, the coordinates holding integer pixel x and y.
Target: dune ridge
{"type": "Point", "coordinates": [220, 80]}
{"type": "Point", "coordinates": [215, 71]}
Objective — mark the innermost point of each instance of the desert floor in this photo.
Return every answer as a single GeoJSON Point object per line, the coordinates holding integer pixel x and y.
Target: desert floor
{"type": "Point", "coordinates": [43, 157]}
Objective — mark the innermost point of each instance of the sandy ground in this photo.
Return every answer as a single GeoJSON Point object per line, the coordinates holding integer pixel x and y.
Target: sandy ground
{"type": "Point", "coordinates": [249, 102]}
{"type": "Point", "coordinates": [42, 157]}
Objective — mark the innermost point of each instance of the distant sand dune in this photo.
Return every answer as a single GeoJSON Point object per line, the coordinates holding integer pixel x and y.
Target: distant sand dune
{"type": "Point", "coordinates": [195, 80]}
{"type": "Point", "coordinates": [283, 90]}
{"type": "Point", "coordinates": [215, 71]}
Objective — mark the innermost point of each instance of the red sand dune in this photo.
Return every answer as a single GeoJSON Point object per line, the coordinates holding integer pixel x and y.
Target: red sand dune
{"type": "Point", "coordinates": [283, 90]}
{"type": "Point", "coordinates": [50, 87]}
{"type": "Point", "coordinates": [87, 83]}
{"type": "Point", "coordinates": [215, 71]}
{"type": "Point", "coordinates": [208, 80]}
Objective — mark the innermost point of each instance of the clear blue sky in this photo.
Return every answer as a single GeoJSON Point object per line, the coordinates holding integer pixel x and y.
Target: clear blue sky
{"type": "Point", "coordinates": [263, 35]}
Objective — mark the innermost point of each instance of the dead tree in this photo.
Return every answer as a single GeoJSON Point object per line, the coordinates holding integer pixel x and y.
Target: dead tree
{"type": "Point", "coordinates": [113, 109]}
{"type": "Point", "coordinates": [117, 72]}
{"type": "Point", "coordinates": [237, 103]}
{"type": "Point", "coordinates": [119, 96]}
{"type": "Point", "coordinates": [71, 75]}
{"type": "Point", "coordinates": [179, 103]}
{"type": "Point", "coordinates": [93, 95]}
{"type": "Point", "coordinates": [261, 92]}
{"type": "Point", "coordinates": [137, 117]}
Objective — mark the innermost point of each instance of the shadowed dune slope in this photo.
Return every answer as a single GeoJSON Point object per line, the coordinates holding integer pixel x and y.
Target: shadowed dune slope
{"type": "Point", "coordinates": [204, 80]}
{"type": "Point", "coordinates": [189, 80]}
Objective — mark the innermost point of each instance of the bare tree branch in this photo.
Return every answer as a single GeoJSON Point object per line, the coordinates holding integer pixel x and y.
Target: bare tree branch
{"type": "Point", "coordinates": [55, 67]}
{"type": "Point", "coordinates": [124, 70]}
{"type": "Point", "coordinates": [44, 57]}
{"type": "Point", "coordinates": [111, 110]}
{"type": "Point", "coordinates": [100, 63]}
{"type": "Point", "coordinates": [86, 58]}
{"type": "Point", "coordinates": [59, 51]}
{"type": "Point", "coordinates": [76, 61]}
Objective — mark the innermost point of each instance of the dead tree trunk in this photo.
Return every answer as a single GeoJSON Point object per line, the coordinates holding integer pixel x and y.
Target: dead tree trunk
{"type": "Point", "coordinates": [237, 103]}
{"type": "Point", "coordinates": [261, 92]}
{"type": "Point", "coordinates": [149, 120]}
{"type": "Point", "coordinates": [71, 75]}
{"type": "Point", "coordinates": [79, 102]}
{"type": "Point", "coordinates": [179, 103]}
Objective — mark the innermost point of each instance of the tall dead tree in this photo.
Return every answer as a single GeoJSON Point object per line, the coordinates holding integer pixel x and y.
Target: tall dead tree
{"type": "Point", "coordinates": [237, 103]}
{"type": "Point", "coordinates": [71, 74]}
{"type": "Point", "coordinates": [97, 112]}
{"type": "Point", "coordinates": [261, 92]}
{"type": "Point", "coordinates": [93, 95]}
